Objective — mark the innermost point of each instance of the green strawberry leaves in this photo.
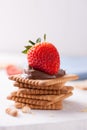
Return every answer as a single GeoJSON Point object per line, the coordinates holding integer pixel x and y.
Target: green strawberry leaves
{"type": "Point", "coordinates": [38, 40]}
{"type": "Point", "coordinates": [26, 50]}
{"type": "Point", "coordinates": [31, 42]}
{"type": "Point", "coordinates": [28, 47]}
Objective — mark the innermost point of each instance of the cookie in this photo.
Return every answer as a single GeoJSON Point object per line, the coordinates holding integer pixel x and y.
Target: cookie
{"type": "Point", "coordinates": [50, 87]}
{"type": "Point", "coordinates": [45, 92]}
{"type": "Point", "coordinates": [22, 78]}
{"type": "Point", "coordinates": [12, 112]}
{"type": "Point", "coordinates": [56, 106]}
{"type": "Point", "coordinates": [61, 97]}
{"type": "Point", "coordinates": [37, 97]}
{"type": "Point", "coordinates": [39, 102]}
{"type": "Point", "coordinates": [81, 85]}
{"type": "Point", "coordinates": [28, 101]}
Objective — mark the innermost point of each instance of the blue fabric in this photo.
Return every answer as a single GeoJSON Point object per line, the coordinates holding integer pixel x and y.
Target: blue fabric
{"type": "Point", "coordinates": [75, 65]}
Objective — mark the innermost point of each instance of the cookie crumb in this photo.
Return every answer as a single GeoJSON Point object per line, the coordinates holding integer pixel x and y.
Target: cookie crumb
{"type": "Point", "coordinates": [11, 111]}
{"type": "Point", "coordinates": [84, 110]}
{"type": "Point", "coordinates": [26, 109]}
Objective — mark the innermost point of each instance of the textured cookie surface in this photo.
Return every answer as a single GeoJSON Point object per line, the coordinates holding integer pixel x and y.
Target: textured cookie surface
{"type": "Point", "coordinates": [38, 97]}
{"type": "Point", "coordinates": [22, 78]}
{"type": "Point", "coordinates": [50, 87]}
{"type": "Point", "coordinates": [38, 101]}
{"type": "Point", "coordinates": [41, 94]}
{"type": "Point", "coordinates": [45, 92]}
{"type": "Point", "coordinates": [56, 106]}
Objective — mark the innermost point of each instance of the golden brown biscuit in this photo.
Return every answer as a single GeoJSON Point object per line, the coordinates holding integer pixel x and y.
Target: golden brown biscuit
{"type": "Point", "coordinates": [39, 102]}
{"type": "Point", "coordinates": [56, 99]}
{"type": "Point", "coordinates": [81, 85]}
{"type": "Point", "coordinates": [45, 92]}
{"type": "Point", "coordinates": [56, 106]}
{"type": "Point", "coordinates": [28, 101]}
{"type": "Point", "coordinates": [22, 78]}
{"type": "Point", "coordinates": [50, 87]}
{"type": "Point", "coordinates": [38, 97]}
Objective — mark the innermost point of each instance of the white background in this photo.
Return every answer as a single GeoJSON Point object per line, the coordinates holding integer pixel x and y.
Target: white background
{"type": "Point", "coordinates": [64, 22]}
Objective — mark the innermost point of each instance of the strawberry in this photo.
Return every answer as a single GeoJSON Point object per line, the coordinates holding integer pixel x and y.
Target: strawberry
{"type": "Point", "coordinates": [44, 56]}
{"type": "Point", "coordinates": [12, 69]}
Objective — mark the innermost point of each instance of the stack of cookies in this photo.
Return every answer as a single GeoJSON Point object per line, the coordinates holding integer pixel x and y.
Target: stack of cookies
{"type": "Point", "coordinates": [47, 94]}
{"type": "Point", "coordinates": [43, 85]}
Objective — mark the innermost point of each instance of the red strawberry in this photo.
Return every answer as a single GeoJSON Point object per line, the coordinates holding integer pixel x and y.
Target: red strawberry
{"type": "Point", "coordinates": [12, 69]}
{"type": "Point", "coordinates": [44, 57]}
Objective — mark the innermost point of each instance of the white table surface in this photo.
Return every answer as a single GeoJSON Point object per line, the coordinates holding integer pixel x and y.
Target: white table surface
{"type": "Point", "coordinates": [70, 118]}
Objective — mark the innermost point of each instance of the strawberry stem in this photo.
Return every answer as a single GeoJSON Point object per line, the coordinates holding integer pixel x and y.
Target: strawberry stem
{"type": "Point", "coordinates": [44, 37]}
